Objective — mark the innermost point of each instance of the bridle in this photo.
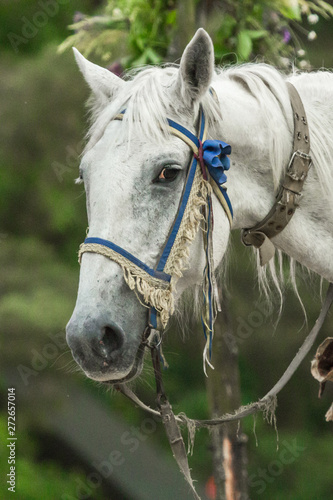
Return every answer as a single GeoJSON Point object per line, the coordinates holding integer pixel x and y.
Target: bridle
{"type": "Point", "coordinates": [205, 175]}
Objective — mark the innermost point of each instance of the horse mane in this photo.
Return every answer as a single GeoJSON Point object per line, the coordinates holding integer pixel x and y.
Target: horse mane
{"type": "Point", "coordinates": [267, 85]}
{"type": "Point", "coordinates": [146, 97]}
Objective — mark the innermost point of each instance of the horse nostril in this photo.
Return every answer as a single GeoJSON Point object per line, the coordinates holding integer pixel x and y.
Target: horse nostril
{"type": "Point", "coordinates": [95, 346]}
{"type": "Point", "coordinates": [112, 340]}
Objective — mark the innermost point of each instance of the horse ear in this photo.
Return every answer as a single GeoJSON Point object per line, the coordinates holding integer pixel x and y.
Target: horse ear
{"type": "Point", "coordinates": [102, 82]}
{"type": "Point", "coordinates": [196, 67]}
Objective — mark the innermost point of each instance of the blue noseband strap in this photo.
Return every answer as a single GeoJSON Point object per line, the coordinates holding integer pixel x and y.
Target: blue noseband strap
{"type": "Point", "coordinates": [152, 272]}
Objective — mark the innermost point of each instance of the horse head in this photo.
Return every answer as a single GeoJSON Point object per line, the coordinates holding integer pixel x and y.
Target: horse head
{"type": "Point", "coordinates": [134, 169]}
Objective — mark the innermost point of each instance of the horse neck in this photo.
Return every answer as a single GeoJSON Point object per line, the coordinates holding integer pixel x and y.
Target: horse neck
{"type": "Point", "coordinates": [308, 237]}
{"type": "Point", "coordinates": [251, 181]}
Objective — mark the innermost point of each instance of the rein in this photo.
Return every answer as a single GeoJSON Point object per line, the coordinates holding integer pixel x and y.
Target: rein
{"type": "Point", "coordinates": [172, 422]}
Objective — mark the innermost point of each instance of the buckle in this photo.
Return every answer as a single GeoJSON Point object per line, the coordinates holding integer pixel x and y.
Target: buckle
{"type": "Point", "coordinates": [298, 174]}
{"type": "Point", "coordinates": [300, 154]}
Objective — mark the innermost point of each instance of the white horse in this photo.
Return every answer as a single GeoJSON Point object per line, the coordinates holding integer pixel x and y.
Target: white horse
{"type": "Point", "coordinates": [134, 171]}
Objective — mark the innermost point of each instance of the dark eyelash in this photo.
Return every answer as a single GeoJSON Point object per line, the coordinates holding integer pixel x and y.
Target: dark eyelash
{"type": "Point", "coordinates": [171, 170]}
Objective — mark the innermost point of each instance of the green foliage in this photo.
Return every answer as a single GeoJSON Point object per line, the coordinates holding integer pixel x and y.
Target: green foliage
{"type": "Point", "coordinates": [40, 148]}
{"type": "Point", "coordinates": [138, 32]}
{"type": "Point", "coordinates": [296, 467]}
{"type": "Point", "coordinates": [27, 26]}
{"type": "Point", "coordinates": [37, 296]}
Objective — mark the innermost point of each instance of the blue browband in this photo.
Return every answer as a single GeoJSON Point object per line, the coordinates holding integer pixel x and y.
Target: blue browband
{"type": "Point", "coordinates": [212, 156]}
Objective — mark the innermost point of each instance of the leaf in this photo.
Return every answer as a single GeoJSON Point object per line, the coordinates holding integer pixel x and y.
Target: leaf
{"type": "Point", "coordinates": [171, 17]}
{"type": "Point", "coordinates": [140, 42]}
{"type": "Point", "coordinates": [140, 61]}
{"type": "Point", "coordinates": [66, 44]}
{"type": "Point", "coordinates": [71, 41]}
{"type": "Point", "coordinates": [244, 45]}
{"type": "Point", "coordinates": [256, 34]}
{"type": "Point", "coordinates": [326, 6]}
{"type": "Point", "coordinates": [291, 9]}
{"type": "Point", "coordinates": [227, 27]}
{"type": "Point", "coordinates": [152, 56]}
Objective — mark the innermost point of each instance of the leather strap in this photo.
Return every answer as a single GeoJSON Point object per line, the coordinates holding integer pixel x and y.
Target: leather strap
{"type": "Point", "coordinates": [171, 426]}
{"type": "Point", "coordinates": [288, 196]}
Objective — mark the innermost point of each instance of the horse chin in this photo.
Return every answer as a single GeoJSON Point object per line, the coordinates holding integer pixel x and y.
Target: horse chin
{"type": "Point", "coordinates": [119, 377]}
{"type": "Point", "coordinates": [134, 372]}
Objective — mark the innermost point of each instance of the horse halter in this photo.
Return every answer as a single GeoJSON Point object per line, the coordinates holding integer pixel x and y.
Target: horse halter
{"type": "Point", "coordinates": [205, 175]}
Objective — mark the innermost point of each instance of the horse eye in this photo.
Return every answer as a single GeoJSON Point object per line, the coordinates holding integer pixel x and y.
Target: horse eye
{"type": "Point", "coordinates": [167, 175]}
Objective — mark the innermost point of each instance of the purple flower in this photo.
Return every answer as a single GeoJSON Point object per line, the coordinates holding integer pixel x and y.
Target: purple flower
{"type": "Point", "coordinates": [286, 35]}
{"type": "Point", "coordinates": [116, 68]}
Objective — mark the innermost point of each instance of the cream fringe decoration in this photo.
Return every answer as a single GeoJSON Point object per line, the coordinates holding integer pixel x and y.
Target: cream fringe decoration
{"type": "Point", "coordinates": [179, 256]}
{"type": "Point", "coordinates": [155, 292]}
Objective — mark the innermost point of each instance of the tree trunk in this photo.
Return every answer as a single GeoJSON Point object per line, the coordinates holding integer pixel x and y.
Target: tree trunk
{"type": "Point", "coordinates": [223, 387]}
{"type": "Point", "coordinates": [185, 28]}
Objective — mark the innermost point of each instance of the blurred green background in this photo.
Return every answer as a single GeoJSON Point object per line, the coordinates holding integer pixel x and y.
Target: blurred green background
{"type": "Point", "coordinates": [42, 223]}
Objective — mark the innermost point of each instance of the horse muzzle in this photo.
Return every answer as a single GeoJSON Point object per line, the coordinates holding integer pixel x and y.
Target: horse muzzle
{"type": "Point", "coordinates": [101, 349]}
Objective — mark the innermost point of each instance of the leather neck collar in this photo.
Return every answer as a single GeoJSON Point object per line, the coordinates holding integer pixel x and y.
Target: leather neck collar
{"type": "Point", "coordinates": [288, 196]}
